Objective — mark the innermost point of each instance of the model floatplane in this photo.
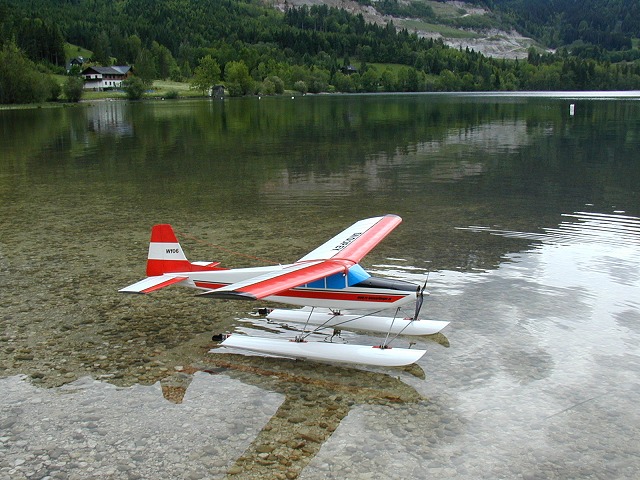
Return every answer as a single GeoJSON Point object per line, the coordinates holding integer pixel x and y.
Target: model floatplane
{"type": "Point", "coordinates": [329, 282]}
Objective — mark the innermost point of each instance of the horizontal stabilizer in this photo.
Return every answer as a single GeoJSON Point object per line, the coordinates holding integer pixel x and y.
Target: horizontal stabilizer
{"type": "Point", "coordinates": [325, 352]}
{"type": "Point", "coordinates": [151, 284]}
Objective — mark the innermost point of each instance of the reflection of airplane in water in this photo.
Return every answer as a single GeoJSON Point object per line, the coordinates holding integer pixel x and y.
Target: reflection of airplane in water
{"type": "Point", "coordinates": [329, 278]}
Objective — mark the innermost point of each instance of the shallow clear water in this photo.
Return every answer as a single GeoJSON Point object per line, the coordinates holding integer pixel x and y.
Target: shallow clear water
{"type": "Point", "coordinates": [525, 219]}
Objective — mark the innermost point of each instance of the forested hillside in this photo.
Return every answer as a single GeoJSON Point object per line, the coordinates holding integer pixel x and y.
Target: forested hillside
{"type": "Point", "coordinates": [254, 48]}
{"type": "Point", "coordinates": [605, 24]}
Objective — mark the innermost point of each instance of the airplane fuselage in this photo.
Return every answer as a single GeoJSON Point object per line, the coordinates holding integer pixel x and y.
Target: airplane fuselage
{"type": "Point", "coordinates": [372, 293]}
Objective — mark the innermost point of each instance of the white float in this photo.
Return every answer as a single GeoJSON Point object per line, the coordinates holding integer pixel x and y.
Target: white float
{"type": "Point", "coordinates": [325, 352]}
{"type": "Point", "coordinates": [358, 323]}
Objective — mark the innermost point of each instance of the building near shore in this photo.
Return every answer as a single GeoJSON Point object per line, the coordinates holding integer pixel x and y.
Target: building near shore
{"type": "Point", "coordinates": [105, 78]}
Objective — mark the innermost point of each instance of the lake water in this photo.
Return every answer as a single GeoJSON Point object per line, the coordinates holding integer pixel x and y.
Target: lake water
{"type": "Point", "coordinates": [525, 220]}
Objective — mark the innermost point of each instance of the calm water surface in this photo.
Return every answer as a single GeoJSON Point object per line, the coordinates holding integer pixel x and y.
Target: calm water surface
{"type": "Point", "coordinates": [525, 219]}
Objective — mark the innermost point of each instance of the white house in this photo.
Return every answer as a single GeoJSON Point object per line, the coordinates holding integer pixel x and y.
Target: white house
{"type": "Point", "coordinates": [105, 78]}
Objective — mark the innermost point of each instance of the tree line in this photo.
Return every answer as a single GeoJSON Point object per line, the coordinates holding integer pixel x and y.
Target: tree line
{"type": "Point", "coordinates": [253, 49]}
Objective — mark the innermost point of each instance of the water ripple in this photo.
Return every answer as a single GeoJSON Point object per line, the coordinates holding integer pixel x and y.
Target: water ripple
{"type": "Point", "coordinates": [580, 228]}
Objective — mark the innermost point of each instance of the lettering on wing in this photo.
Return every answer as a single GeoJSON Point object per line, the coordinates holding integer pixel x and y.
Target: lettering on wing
{"type": "Point", "coordinates": [345, 243]}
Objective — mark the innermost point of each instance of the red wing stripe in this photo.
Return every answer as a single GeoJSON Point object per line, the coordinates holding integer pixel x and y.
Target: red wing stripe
{"type": "Point", "coordinates": [209, 285]}
{"type": "Point", "coordinates": [357, 249]}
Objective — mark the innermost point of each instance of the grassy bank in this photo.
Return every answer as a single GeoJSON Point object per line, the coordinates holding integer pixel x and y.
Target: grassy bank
{"type": "Point", "coordinates": [159, 89]}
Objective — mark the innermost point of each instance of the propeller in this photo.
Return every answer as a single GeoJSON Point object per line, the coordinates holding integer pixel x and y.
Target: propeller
{"type": "Point", "coordinates": [420, 298]}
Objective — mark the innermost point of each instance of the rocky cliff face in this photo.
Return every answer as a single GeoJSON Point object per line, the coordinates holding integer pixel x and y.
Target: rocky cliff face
{"type": "Point", "coordinates": [492, 42]}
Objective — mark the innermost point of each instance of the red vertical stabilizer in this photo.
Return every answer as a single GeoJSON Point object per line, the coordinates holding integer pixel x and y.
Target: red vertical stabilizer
{"type": "Point", "coordinates": [166, 254]}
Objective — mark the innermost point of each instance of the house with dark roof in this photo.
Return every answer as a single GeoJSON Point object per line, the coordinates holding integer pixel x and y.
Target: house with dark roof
{"type": "Point", "coordinates": [75, 62]}
{"type": "Point", "coordinates": [349, 69]}
{"type": "Point", "coordinates": [105, 78]}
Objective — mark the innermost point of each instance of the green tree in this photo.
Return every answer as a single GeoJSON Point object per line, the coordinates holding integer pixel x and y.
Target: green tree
{"type": "Point", "coordinates": [52, 87]}
{"type": "Point", "coordinates": [301, 86]}
{"type": "Point", "coordinates": [318, 80]}
{"type": "Point", "coordinates": [73, 89]}
{"type": "Point", "coordinates": [186, 69]}
{"type": "Point", "coordinates": [102, 49]}
{"type": "Point", "coordinates": [388, 80]}
{"type": "Point", "coordinates": [267, 87]}
{"type": "Point", "coordinates": [206, 74]}
{"type": "Point", "coordinates": [145, 67]}
{"type": "Point", "coordinates": [20, 81]}
{"type": "Point", "coordinates": [238, 80]}
{"type": "Point", "coordinates": [277, 83]}
{"type": "Point", "coordinates": [164, 61]}
{"type": "Point", "coordinates": [343, 83]}
{"type": "Point", "coordinates": [408, 79]}
{"type": "Point", "coordinates": [40, 40]}
{"type": "Point", "coordinates": [448, 82]}
{"type": "Point", "coordinates": [370, 80]}
{"type": "Point", "coordinates": [75, 70]}
{"type": "Point", "coordinates": [133, 47]}
{"type": "Point", "coordinates": [134, 87]}
{"type": "Point", "coordinates": [175, 75]}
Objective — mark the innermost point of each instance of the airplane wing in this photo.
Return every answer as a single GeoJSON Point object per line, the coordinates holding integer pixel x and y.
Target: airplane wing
{"type": "Point", "coordinates": [278, 281]}
{"type": "Point", "coordinates": [356, 241]}
{"type": "Point", "coordinates": [151, 284]}
{"type": "Point", "coordinates": [337, 255]}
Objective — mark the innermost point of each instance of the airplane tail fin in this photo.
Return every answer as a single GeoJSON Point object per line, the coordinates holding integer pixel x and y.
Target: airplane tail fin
{"type": "Point", "coordinates": [166, 263]}
{"type": "Point", "coordinates": [166, 254]}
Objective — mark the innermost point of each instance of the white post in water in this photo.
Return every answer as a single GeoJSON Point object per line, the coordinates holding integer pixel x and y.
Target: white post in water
{"type": "Point", "coordinates": [572, 109]}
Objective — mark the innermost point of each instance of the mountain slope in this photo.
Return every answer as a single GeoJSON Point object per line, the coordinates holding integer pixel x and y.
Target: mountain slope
{"type": "Point", "coordinates": [608, 24]}
{"type": "Point", "coordinates": [458, 24]}
{"type": "Point", "coordinates": [306, 48]}
{"type": "Point", "coordinates": [505, 28]}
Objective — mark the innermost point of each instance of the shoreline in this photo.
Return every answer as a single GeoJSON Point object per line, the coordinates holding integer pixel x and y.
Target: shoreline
{"type": "Point", "coordinates": [578, 94]}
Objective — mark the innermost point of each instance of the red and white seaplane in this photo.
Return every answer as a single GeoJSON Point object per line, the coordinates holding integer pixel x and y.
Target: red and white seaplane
{"type": "Point", "coordinates": [336, 290]}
